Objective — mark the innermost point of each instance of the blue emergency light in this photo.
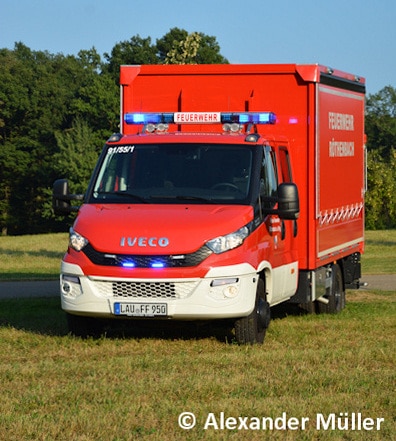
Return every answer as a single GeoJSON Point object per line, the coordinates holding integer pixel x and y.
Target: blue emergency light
{"type": "Point", "coordinates": [156, 264]}
{"type": "Point", "coordinates": [201, 118]}
{"type": "Point", "coordinates": [149, 118]}
{"type": "Point", "coordinates": [249, 118]}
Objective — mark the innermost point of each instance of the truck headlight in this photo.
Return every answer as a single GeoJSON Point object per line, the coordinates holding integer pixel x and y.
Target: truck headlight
{"type": "Point", "coordinates": [228, 242]}
{"type": "Point", "coordinates": [76, 241]}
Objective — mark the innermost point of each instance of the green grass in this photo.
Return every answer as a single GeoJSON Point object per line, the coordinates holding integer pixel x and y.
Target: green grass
{"type": "Point", "coordinates": [134, 386]}
{"type": "Point", "coordinates": [38, 256]}
{"type": "Point", "coordinates": [380, 252]}
{"type": "Point", "coordinates": [33, 257]}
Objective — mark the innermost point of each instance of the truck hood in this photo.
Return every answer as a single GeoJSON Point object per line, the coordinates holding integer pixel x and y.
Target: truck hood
{"type": "Point", "coordinates": [157, 229]}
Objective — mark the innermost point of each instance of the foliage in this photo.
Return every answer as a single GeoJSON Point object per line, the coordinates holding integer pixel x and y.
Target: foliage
{"type": "Point", "coordinates": [41, 95]}
{"type": "Point", "coordinates": [381, 195]}
{"type": "Point", "coordinates": [135, 51]}
{"type": "Point", "coordinates": [194, 48]}
{"type": "Point", "coordinates": [77, 155]}
{"type": "Point", "coordinates": [184, 51]}
{"type": "Point", "coordinates": [381, 163]}
{"type": "Point", "coordinates": [381, 121]}
{"type": "Point", "coordinates": [50, 101]}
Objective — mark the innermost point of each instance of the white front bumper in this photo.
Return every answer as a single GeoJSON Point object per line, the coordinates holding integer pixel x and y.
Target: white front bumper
{"type": "Point", "coordinates": [186, 299]}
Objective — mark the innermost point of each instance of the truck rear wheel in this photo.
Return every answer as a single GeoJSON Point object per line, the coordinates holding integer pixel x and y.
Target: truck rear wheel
{"type": "Point", "coordinates": [252, 329]}
{"type": "Point", "coordinates": [336, 297]}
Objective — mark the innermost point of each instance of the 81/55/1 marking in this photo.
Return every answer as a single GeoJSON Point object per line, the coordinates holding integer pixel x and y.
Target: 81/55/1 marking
{"type": "Point", "coordinates": [141, 309]}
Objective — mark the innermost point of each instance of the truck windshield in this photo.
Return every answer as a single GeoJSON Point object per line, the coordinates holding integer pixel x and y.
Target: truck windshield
{"type": "Point", "coordinates": [174, 173]}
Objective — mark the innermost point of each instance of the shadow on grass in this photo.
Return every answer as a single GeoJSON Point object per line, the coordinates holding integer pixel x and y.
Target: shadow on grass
{"type": "Point", "coordinates": [21, 276]}
{"type": "Point", "coordinates": [380, 243]}
{"type": "Point", "coordinates": [38, 315]}
{"type": "Point", "coordinates": [45, 316]}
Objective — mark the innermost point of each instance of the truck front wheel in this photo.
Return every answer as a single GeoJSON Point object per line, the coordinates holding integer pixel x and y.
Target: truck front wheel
{"type": "Point", "coordinates": [252, 329]}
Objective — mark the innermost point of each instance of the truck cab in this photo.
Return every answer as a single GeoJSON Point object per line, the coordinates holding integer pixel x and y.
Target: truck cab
{"type": "Point", "coordinates": [185, 226]}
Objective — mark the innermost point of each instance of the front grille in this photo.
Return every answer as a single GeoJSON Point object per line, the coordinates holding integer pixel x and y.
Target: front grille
{"type": "Point", "coordinates": [145, 290]}
{"type": "Point", "coordinates": [146, 261]}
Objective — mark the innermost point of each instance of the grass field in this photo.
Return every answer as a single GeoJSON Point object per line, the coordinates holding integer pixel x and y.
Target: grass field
{"type": "Point", "coordinates": [35, 257]}
{"type": "Point", "coordinates": [380, 252]}
{"type": "Point", "coordinates": [134, 384]}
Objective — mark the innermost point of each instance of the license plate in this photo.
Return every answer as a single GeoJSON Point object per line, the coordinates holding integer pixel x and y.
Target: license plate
{"type": "Point", "coordinates": [141, 309]}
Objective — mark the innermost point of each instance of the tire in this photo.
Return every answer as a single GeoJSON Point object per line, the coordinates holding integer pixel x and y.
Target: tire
{"type": "Point", "coordinates": [84, 327]}
{"type": "Point", "coordinates": [336, 296]}
{"type": "Point", "coordinates": [252, 329]}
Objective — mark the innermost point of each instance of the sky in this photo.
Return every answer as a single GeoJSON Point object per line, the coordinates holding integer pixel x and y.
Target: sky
{"type": "Point", "coordinates": [355, 36]}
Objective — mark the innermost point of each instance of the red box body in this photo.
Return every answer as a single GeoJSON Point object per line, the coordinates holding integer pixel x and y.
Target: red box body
{"type": "Point", "coordinates": [320, 115]}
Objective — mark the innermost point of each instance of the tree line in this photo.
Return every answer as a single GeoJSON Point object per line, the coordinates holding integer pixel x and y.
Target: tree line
{"type": "Point", "coordinates": [56, 111]}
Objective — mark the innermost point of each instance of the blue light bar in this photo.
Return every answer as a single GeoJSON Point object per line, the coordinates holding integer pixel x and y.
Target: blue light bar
{"type": "Point", "coordinates": [249, 117]}
{"type": "Point", "coordinates": [128, 265]}
{"type": "Point", "coordinates": [148, 118]}
{"type": "Point", "coordinates": [201, 118]}
{"type": "Point", "coordinates": [157, 265]}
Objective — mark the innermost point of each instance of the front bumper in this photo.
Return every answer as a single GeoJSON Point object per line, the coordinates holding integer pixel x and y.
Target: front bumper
{"type": "Point", "coordinates": [225, 292]}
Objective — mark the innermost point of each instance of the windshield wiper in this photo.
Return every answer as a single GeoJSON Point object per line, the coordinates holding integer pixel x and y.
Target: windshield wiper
{"type": "Point", "coordinates": [193, 198]}
{"type": "Point", "coordinates": [124, 193]}
{"type": "Point", "coordinates": [181, 197]}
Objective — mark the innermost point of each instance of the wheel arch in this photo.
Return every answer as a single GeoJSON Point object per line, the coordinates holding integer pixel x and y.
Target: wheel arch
{"type": "Point", "coordinates": [266, 274]}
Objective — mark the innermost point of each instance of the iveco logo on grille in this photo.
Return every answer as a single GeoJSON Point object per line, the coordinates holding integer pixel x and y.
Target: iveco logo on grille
{"type": "Point", "coordinates": [144, 241]}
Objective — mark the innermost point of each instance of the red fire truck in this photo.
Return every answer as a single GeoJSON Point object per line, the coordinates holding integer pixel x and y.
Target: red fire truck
{"type": "Point", "coordinates": [230, 189]}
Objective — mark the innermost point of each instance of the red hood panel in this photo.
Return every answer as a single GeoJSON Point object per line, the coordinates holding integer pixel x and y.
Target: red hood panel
{"type": "Point", "coordinates": [157, 229]}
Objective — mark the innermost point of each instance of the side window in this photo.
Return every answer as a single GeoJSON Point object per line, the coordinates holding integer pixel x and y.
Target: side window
{"type": "Point", "coordinates": [107, 178]}
{"type": "Point", "coordinates": [285, 168]}
{"type": "Point", "coordinates": [268, 179]}
{"type": "Point", "coordinates": [113, 173]}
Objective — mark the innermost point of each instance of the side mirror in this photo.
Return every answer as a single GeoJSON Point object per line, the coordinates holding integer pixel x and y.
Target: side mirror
{"type": "Point", "coordinates": [288, 201]}
{"type": "Point", "coordinates": [61, 198]}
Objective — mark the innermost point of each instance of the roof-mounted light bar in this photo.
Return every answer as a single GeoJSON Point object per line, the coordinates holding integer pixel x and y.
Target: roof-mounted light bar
{"type": "Point", "coordinates": [249, 118]}
{"type": "Point", "coordinates": [149, 118]}
{"type": "Point", "coordinates": [201, 118]}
